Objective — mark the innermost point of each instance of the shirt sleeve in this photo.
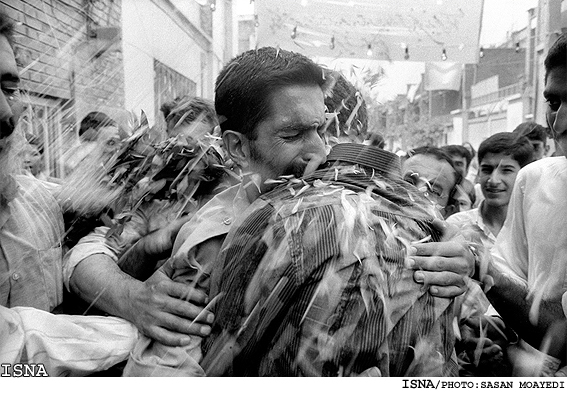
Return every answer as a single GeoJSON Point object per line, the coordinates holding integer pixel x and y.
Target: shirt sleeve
{"type": "Point", "coordinates": [66, 345]}
{"type": "Point", "coordinates": [99, 242]}
{"type": "Point", "coordinates": [510, 252]}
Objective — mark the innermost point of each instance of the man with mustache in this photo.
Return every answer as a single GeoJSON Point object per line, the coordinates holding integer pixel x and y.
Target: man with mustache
{"type": "Point", "coordinates": [270, 104]}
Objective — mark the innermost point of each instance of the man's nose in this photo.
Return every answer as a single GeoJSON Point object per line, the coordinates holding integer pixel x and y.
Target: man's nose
{"type": "Point", "coordinates": [494, 178]}
{"type": "Point", "coordinates": [7, 121]}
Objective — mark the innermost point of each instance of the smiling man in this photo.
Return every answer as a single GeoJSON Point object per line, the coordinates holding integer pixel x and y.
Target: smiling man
{"type": "Point", "coordinates": [500, 156]}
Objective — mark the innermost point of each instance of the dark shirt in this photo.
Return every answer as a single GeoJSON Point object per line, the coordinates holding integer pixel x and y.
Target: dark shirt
{"type": "Point", "coordinates": [313, 283]}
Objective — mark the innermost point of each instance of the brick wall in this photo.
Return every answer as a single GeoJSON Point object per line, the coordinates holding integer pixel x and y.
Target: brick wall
{"type": "Point", "coordinates": [61, 61]}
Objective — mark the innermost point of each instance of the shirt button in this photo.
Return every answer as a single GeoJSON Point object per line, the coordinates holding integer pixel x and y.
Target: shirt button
{"type": "Point", "coordinates": [16, 276]}
{"type": "Point", "coordinates": [227, 221]}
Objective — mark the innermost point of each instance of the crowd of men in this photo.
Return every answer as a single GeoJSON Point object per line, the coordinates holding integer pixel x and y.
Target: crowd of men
{"type": "Point", "coordinates": [323, 259]}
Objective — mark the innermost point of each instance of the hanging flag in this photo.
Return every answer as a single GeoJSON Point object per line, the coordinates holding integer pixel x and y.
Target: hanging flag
{"type": "Point", "coordinates": [443, 76]}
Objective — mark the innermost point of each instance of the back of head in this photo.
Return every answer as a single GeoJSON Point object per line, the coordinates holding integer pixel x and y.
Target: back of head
{"type": "Point", "coordinates": [557, 55]}
{"type": "Point", "coordinates": [246, 84]}
{"type": "Point", "coordinates": [458, 150]}
{"type": "Point", "coordinates": [189, 109]}
{"type": "Point", "coordinates": [516, 146]}
{"type": "Point", "coordinates": [94, 121]}
{"type": "Point", "coordinates": [532, 131]}
{"type": "Point", "coordinates": [377, 140]}
{"type": "Point", "coordinates": [347, 102]}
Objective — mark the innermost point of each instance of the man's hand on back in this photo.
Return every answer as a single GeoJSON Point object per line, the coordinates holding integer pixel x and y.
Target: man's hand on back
{"type": "Point", "coordinates": [444, 266]}
{"type": "Point", "coordinates": [168, 311]}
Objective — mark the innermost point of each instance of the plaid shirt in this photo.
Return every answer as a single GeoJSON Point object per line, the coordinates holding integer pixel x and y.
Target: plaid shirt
{"type": "Point", "coordinates": [313, 283]}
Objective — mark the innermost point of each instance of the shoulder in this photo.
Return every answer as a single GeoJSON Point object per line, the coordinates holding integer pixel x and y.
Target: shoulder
{"type": "Point", "coordinates": [469, 216]}
{"type": "Point", "coordinates": [545, 166]}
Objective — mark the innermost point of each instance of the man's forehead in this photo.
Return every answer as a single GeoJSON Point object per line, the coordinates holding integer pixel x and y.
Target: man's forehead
{"type": "Point", "coordinates": [555, 82]}
{"type": "Point", "coordinates": [428, 166]}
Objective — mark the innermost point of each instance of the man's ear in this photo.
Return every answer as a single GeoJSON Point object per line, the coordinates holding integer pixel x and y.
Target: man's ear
{"type": "Point", "coordinates": [237, 147]}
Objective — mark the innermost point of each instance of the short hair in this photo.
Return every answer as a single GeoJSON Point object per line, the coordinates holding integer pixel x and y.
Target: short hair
{"type": "Point", "coordinates": [188, 109]}
{"type": "Point", "coordinates": [377, 139]}
{"type": "Point", "coordinates": [246, 84]}
{"type": "Point", "coordinates": [343, 100]}
{"type": "Point", "coordinates": [557, 55]}
{"type": "Point", "coordinates": [7, 27]}
{"type": "Point", "coordinates": [532, 131]}
{"type": "Point", "coordinates": [458, 150]}
{"type": "Point", "coordinates": [508, 143]}
{"type": "Point", "coordinates": [96, 121]}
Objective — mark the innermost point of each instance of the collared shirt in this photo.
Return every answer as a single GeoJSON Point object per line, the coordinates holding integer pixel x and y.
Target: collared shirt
{"type": "Point", "coordinates": [531, 246]}
{"type": "Point", "coordinates": [313, 283]}
{"type": "Point", "coordinates": [473, 219]}
{"type": "Point", "coordinates": [64, 345]}
{"type": "Point", "coordinates": [31, 252]}
{"type": "Point", "coordinates": [194, 253]}
{"type": "Point", "coordinates": [474, 301]}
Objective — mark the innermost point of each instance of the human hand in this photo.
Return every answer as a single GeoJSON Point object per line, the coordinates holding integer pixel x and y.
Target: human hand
{"type": "Point", "coordinates": [168, 311]}
{"type": "Point", "coordinates": [443, 266]}
{"type": "Point", "coordinates": [158, 244]}
{"type": "Point", "coordinates": [483, 339]}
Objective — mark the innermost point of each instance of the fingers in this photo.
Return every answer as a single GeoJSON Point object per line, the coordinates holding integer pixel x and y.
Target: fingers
{"type": "Point", "coordinates": [448, 231]}
{"type": "Point", "coordinates": [442, 284]}
{"type": "Point", "coordinates": [167, 337]}
{"type": "Point", "coordinates": [178, 290]}
{"type": "Point", "coordinates": [450, 256]}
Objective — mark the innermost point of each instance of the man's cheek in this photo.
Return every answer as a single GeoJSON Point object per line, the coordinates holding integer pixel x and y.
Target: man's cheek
{"type": "Point", "coordinates": [17, 110]}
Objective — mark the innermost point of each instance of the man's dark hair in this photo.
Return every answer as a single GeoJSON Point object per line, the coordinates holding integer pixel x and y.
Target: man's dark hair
{"type": "Point", "coordinates": [532, 131]}
{"type": "Point", "coordinates": [94, 120]}
{"type": "Point", "coordinates": [508, 143]}
{"type": "Point", "coordinates": [246, 84]}
{"type": "Point", "coordinates": [557, 55]}
{"type": "Point", "coordinates": [188, 109]}
{"type": "Point", "coordinates": [343, 100]}
{"type": "Point", "coordinates": [7, 27]}
{"type": "Point", "coordinates": [458, 150]}
{"type": "Point", "coordinates": [376, 139]}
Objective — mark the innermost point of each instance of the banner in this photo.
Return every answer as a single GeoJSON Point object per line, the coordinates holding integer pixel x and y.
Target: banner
{"type": "Point", "coordinates": [442, 76]}
{"type": "Point", "coordinates": [404, 30]}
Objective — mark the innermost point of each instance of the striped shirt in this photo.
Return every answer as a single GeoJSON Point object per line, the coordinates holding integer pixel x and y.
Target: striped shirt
{"type": "Point", "coordinates": [313, 283]}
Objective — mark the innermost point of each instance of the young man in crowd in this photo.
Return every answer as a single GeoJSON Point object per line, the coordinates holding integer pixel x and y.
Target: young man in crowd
{"type": "Point", "coordinates": [537, 135]}
{"type": "Point", "coordinates": [501, 157]}
{"type": "Point", "coordinates": [462, 160]}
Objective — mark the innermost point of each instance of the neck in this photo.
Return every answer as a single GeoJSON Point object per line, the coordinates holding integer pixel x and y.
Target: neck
{"type": "Point", "coordinates": [493, 216]}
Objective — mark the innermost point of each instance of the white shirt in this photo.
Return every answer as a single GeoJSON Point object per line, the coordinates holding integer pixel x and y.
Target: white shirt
{"type": "Point", "coordinates": [472, 217]}
{"type": "Point", "coordinates": [532, 245]}
{"type": "Point", "coordinates": [65, 345]}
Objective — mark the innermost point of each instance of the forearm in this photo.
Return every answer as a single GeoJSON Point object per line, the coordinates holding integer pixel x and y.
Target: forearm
{"type": "Point", "coordinates": [137, 263]}
{"type": "Point", "coordinates": [510, 298]}
{"type": "Point", "coordinates": [100, 282]}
